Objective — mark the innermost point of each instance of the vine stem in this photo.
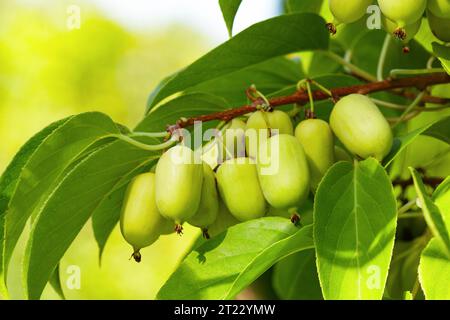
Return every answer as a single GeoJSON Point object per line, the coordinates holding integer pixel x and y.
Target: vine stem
{"type": "Point", "coordinates": [382, 59]}
{"type": "Point", "coordinates": [408, 72]}
{"type": "Point", "coordinates": [149, 134]}
{"type": "Point", "coordinates": [395, 106]}
{"type": "Point", "coordinates": [144, 146]}
{"type": "Point", "coordinates": [414, 104]}
{"type": "Point", "coordinates": [300, 97]}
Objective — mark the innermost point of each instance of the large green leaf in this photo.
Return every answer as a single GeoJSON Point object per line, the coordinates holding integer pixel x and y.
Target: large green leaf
{"type": "Point", "coordinates": [441, 197]}
{"type": "Point", "coordinates": [431, 212]}
{"type": "Point", "coordinates": [107, 213]}
{"type": "Point", "coordinates": [55, 282]}
{"type": "Point", "coordinates": [223, 266]}
{"type": "Point", "coordinates": [45, 167]}
{"type": "Point", "coordinates": [71, 204]}
{"type": "Point", "coordinates": [189, 105]}
{"type": "Point", "coordinates": [439, 130]}
{"type": "Point", "coordinates": [303, 6]}
{"type": "Point", "coordinates": [268, 76]}
{"type": "Point", "coordinates": [229, 9]}
{"type": "Point", "coordinates": [295, 277]}
{"type": "Point", "coordinates": [262, 41]}
{"type": "Point", "coordinates": [354, 228]}
{"type": "Point", "coordinates": [10, 178]}
{"type": "Point", "coordinates": [434, 271]}
{"type": "Point", "coordinates": [443, 53]}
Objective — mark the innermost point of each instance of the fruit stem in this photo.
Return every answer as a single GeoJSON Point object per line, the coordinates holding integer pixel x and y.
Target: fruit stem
{"type": "Point", "coordinates": [414, 104]}
{"type": "Point", "coordinates": [321, 87]}
{"type": "Point", "coordinates": [356, 70]}
{"type": "Point", "coordinates": [163, 134]}
{"type": "Point", "coordinates": [311, 99]}
{"type": "Point", "coordinates": [253, 94]}
{"type": "Point", "coordinates": [395, 106]}
{"type": "Point", "coordinates": [144, 146]}
{"type": "Point", "coordinates": [382, 59]}
{"type": "Point", "coordinates": [406, 207]}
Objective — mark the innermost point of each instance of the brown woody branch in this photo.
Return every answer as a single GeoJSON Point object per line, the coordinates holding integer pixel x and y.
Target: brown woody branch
{"type": "Point", "coordinates": [301, 97]}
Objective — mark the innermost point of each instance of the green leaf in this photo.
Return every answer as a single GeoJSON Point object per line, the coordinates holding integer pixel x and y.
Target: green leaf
{"type": "Point", "coordinates": [229, 9]}
{"type": "Point", "coordinates": [189, 105]}
{"type": "Point", "coordinates": [223, 266]}
{"type": "Point", "coordinates": [10, 178]}
{"type": "Point", "coordinates": [55, 282]}
{"type": "Point", "coordinates": [431, 212]}
{"type": "Point", "coordinates": [434, 271]}
{"type": "Point", "coordinates": [439, 130]}
{"type": "Point", "coordinates": [262, 41]}
{"type": "Point", "coordinates": [295, 277]}
{"type": "Point", "coordinates": [107, 213]}
{"type": "Point", "coordinates": [269, 76]}
{"type": "Point", "coordinates": [71, 204]}
{"type": "Point", "coordinates": [312, 6]}
{"type": "Point", "coordinates": [44, 168]}
{"type": "Point", "coordinates": [441, 197]}
{"type": "Point", "coordinates": [354, 228]}
{"type": "Point", "coordinates": [443, 53]}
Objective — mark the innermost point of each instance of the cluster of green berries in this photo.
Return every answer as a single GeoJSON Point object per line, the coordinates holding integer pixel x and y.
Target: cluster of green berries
{"type": "Point", "coordinates": [401, 18]}
{"type": "Point", "coordinates": [186, 189]}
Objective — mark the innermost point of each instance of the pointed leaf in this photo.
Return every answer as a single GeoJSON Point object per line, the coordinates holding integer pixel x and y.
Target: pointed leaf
{"type": "Point", "coordinates": [295, 277]}
{"type": "Point", "coordinates": [439, 130]}
{"type": "Point", "coordinates": [434, 271]}
{"type": "Point", "coordinates": [313, 6]}
{"type": "Point", "coordinates": [229, 9]}
{"type": "Point", "coordinates": [262, 41]}
{"type": "Point", "coordinates": [70, 205]}
{"type": "Point", "coordinates": [431, 212]}
{"type": "Point", "coordinates": [55, 282]}
{"type": "Point", "coordinates": [56, 153]}
{"type": "Point", "coordinates": [10, 178]}
{"type": "Point", "coordinates": [355, 221]}
{"type": "Point", "coordinates": [441, 197]}
{"type": "Point", "coordinates": [223, 266]}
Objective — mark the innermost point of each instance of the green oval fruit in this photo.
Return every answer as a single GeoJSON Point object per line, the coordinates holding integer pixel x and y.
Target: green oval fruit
{"type": "Point", "coordinates": [224, 220]}
{"type": "Point", "coordinates": [209, 202]}
{"type": "Point", "coordinates": [403, 12]}
{"type": "Point", "coordinates": [284, 174]}
{"type": "Point", "coordinates": [179, 178]}
{"type": "Point", "coordinates": [261, 120]}
{"type": "Point", "coordinates": [341, 155]}
{"type": "Point", "coordinates": [350, 11]}
{"type": "Point", "coordinates": [140, 221]}
{"type": "Point", "coordinates": [234, 140]}
{"type": "Point", "coordinates": [361, 127]}
{"type": "Point", "coordinates": [440, 27]}
{"type": "Point", "coordinates": [410, 30]}
{"type": "Point", "coordinates": [240, 190]}
{"type": "Point", "coordinates": [318, 143]}
{"type": "Point", "coordinates": [439, 8]}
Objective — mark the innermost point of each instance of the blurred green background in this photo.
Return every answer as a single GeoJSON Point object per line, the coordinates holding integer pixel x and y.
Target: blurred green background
{"type": "Point", "coordinates": [121, 51]}
{"type": "Point", "coordinates": [110, 64]}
